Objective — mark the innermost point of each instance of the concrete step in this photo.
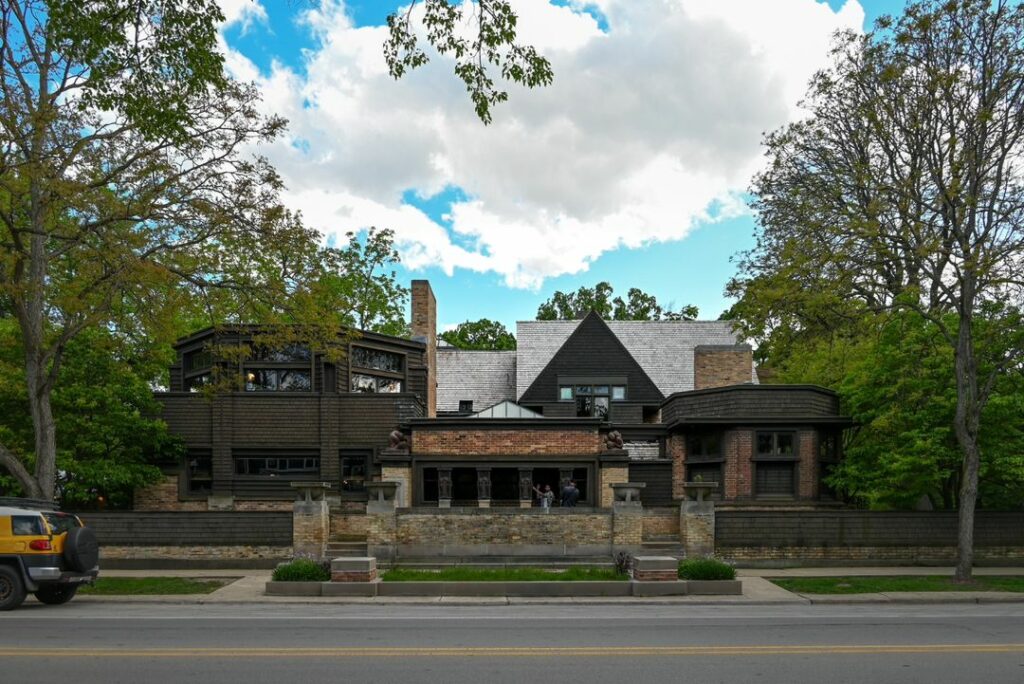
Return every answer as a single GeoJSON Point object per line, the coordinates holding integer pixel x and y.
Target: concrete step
{"type": "Point", "coordinates": [349, 549]}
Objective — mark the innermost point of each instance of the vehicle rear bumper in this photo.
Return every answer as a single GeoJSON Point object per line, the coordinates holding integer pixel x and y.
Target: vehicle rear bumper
{"type": "Point", "coordinates": [53, 574]}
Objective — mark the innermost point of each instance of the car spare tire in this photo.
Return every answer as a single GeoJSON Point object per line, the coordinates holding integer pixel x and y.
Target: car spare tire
{"type": "Point", "coordinates": [81, 549]}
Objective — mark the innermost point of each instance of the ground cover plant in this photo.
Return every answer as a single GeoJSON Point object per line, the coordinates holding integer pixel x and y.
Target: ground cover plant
{"type": "Point", "coordinates": [302, 570]}
{"type": "Point", "coordinates": [582, 574]}
{"type": "Point", "coordinates": [147, 586]}
{"type": "Point", "coordinates": [706, 569]}
{"type": "Point", "coordinates": [869, 585]}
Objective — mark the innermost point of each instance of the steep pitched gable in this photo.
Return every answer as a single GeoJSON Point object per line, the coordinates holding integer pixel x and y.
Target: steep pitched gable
{"type": "Point", "coordinates": [592, 350]}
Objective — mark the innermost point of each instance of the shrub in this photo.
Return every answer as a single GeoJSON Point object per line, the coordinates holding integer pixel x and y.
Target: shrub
{"type": "Point", "coordinates": [623, 563]}
{"type": "Point", "coordinates": [706, 569]}
{"type": "Point", "coordinates": [302, 570]}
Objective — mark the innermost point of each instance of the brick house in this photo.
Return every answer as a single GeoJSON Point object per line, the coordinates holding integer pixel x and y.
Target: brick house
{"type": "Point", "coordinates": [599, 402]}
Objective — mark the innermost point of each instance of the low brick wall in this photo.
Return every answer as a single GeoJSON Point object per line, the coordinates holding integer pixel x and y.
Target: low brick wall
{"type": "Point", "coordinates": [228, 556]}
{"type": "Point", "coordinates": [661, 523]}
{"type": "Point", "coordinates": [348, 525]}
{"type": "Point", "coordinates": [163, 496]}
{"type": "Point", "coordinates": [773, 538]}
{"type": "Point", "coordinates": [482, 532]}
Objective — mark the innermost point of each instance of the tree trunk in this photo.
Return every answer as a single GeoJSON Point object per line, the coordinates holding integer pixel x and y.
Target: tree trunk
{"type": "Point", "coordinates": [45, 433]}
{"type": "Point", "coordinates": [965, 423]}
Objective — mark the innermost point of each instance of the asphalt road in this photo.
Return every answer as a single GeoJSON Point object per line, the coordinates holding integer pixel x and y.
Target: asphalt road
{"type": "Point", "coordinates": [157, 644]}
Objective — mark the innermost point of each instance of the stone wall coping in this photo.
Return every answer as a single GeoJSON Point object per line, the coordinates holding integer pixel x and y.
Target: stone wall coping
{"type": "Point", "coordinates": [502, 511]}
{"type": "Point", "coordinates": [354, 564]}
{"type": "Point", "coordinates": [656, 563]}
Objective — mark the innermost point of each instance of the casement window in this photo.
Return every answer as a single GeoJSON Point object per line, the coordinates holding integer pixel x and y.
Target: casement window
{"type": "Point", "coordinates": [355, 466]}
{"type": "Point", "coordinates": [288, 369]}
{"type": "Point", "coordinates": [375, 371]}
{"type": "Point", "coordinates": [775, 464]}
{"type": "Point", "coordinates": [828, 461]}
{"type": "Point", "coordinates": [198, 472]}
{"type": "Point", "coordinates": [592, 400]}
{"type": "Point", "coordinates": [277, 465]}
{"type": "Point", "coordinates": [704, 472]}
{"type": "Point", "coordinates": [704, 446]}
{"type": "Point", "coordinates": [197, 368]}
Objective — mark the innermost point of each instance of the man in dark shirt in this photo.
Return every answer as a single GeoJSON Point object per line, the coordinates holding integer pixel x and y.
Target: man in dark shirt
{"type": "Point", "coordinates": [570, 494]}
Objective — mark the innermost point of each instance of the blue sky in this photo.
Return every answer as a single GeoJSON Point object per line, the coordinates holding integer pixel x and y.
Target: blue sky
{"type": "Point", "coordinates": [357, 156]}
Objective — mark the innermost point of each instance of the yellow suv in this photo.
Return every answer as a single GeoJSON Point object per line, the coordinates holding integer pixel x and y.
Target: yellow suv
{"type": "Point", "coordinates": [46, 552]}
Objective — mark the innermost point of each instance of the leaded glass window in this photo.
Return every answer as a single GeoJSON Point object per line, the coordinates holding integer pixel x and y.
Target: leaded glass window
{"type": "Point", "coordinates": [376, 359]}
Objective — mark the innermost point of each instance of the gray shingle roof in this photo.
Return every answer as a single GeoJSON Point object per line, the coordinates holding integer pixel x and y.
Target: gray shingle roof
{"type": "Point", "coordinates": [664, 349]}
{"type": "Point", "coordinates": [483, 377]}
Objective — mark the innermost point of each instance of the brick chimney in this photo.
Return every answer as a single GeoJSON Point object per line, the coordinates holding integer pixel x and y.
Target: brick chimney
{"type": "Point", "coordinates": [720, 365]}
{"type": "Point", "coordinates": [424, 327]}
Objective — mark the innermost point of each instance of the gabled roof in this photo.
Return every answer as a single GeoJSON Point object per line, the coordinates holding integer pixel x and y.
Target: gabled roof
{"type": "Point", "coordinates": [592, 350]}
{"type": "Point", "coordinates": [507, 409]}
{"type": "Point", "coordinates": [483, 377]}
{"type": "Point", "coordinates": [664, 349]}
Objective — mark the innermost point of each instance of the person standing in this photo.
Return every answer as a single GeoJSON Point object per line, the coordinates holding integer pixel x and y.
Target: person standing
{"type": "Point", "coordinates": [545, 497]}
{"type": "Point", "coordinates": [570, 494]}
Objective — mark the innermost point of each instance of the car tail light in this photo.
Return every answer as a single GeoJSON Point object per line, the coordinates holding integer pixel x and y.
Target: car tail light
{"type": "Point", "coordinates": [40, 545]}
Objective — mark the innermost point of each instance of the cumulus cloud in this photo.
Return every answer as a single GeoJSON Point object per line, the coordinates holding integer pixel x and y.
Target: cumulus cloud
{"type": "Point", "coordinates": [651, 127]}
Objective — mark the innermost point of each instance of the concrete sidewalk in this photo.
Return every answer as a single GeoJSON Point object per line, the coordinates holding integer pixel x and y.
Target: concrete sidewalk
{"type": "Point", "coordinates": [757, 590]}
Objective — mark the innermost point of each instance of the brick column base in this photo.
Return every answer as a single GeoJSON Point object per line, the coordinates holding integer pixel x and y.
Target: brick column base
{"type": "Point", "coordinates": [697, 528]}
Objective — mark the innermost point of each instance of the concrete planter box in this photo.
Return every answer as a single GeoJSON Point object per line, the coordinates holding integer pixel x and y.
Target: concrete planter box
{"type": "Point", "coordinates": [714, 587]}
{"type": "Point", "coordinates": [293, 588]}
{"type": "Point", "coordinates": [349, 588]}
{"type": "Point", "coordinates": [519, 589]}
{"type": "Point", "coordinates": [659, 588]}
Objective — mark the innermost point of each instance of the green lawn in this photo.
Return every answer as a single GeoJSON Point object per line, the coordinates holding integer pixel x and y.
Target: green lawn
{"type": "Point", "coordinates": [147, 586]}
{"type": "Point", "coordinates": [868, 585]}
{"type": "Point", "coordinates": [503, 575]}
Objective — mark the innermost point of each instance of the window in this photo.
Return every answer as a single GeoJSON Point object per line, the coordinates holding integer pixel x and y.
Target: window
{"type": "Point", "coordinates": [828, 461]}
{"type": "Point", "coordinates": [287, 369]}
{"type": "Point", "coordinates": [375, 359]}
{"type": "Point", "coordinates": [198, 472]}
{"type": "Point", "coordinates": [592, 400]}
{"type": "Point", "coordinates": [198, 366]}
{"type": "Point", "coordinates": [27, 525]}
{"type": "Point", "coordinates": [466, 406]}
{"type": "Point", "coordinates": [704, 472]}
{"type": "Point", "coordinates": [196, 383]}
{"type": "Point", "coordinates": [373, 385]}
{"type": "Point", "coordinates": [775, 444]}
{"type": "Point", "coordinates": [61, 522]}
{"type": "Point", "coordinates": [354, 468]}
{"type": "Point", "coordinates": [704, 446]}
{"type": "Point", "coordinates": [375, 371]}
{"type": "Point", "coordinates": [273, 466]}
{"type": "Point", "coordinates": [277, 380]}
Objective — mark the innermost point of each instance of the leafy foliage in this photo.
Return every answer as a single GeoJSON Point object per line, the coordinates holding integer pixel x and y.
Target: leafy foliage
{"type": "Point", "coordinates": [482, 334]}
{"type": "Point", "coordinates": [302, 570]}
{"type": "Point", "coordinates": [706, 569]}
{"type": "Point", "coordinates": [109, 440]}
{"type": "Point", "coordinates": [491, 43]}
{"type": "Point", "coordinates": [638, 306]}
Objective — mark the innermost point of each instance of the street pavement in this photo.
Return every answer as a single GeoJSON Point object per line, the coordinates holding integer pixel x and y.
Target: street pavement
{"type": "Point", "coordinates": [110, 642]}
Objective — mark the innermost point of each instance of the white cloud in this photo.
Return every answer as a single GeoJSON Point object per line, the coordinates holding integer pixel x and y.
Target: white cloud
{"type": "Point", "coordinates": [648, 130]}
{"type": "Point", "coordinates": [244, 12]}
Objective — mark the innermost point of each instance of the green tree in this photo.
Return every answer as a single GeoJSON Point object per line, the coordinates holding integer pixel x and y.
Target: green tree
{"type": "Point", "coordinates": [126, 191]}
{"type": "Point", "coordinates": [104, 409]}
{"type": "Point", "coordinates": [638, 306]}
{"type": "Point", "coordinates": [901, 191]}
{"type": "Point", "coordinates": [480, 40]}
{"type": "Point", "coordinates": [482, 334]}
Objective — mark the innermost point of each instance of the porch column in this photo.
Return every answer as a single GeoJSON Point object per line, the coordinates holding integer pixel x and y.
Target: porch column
{"type": "Point", "coordinates": [483, 487]}
{"type": "Point", "coordinates": [444, 487]}
{"type": "Point", "coordinates": [525, 487]}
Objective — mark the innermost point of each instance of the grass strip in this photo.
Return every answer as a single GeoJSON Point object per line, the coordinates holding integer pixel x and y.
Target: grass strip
{"type": "Point", "coordinates": [875, 585]}
{"type": "Point", "coordinates": [457, 574]}
{"type": "Point", "coordinates": [150, 586]}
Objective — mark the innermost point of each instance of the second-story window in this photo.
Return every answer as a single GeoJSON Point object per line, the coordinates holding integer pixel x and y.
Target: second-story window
{"type": "Point", "coordinates": [288, 369]}
{"type": "Point", "coordinates": [198, 369]}
{"type": "Point", "coordinates": [375, 371]}
{"type": "Point", "coordinates": [592, 400]}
